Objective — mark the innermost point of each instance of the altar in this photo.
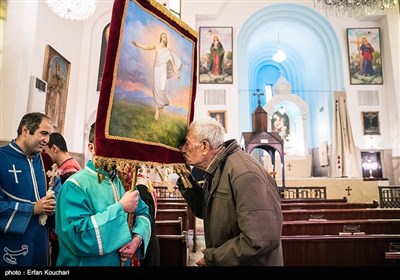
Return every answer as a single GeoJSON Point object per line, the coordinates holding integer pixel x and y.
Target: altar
{"type": "Point", "coordinates": [354, 189]}
{"type": "Point", "coordinates": [295, 166]}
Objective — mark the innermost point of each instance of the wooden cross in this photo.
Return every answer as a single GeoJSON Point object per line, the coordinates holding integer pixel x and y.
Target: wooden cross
{"type": "Point", "coordinates": [289, 166]}
{"type": "Point", "coordinates": [358, 43]}
{"type": "Point", "coordinates": [51, 174]}
{"type": "Point", "coordinates": [348, 190]}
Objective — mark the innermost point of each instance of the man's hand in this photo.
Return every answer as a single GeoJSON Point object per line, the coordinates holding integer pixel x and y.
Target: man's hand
{"type": "Point", "coordinates": [126, 252]}
{"type": "Point", "coordinates": [46, 205]}
{"type": "Point", "coordinates": [201, 262]}
{"type": "Point", "coordinates": [130, 201]}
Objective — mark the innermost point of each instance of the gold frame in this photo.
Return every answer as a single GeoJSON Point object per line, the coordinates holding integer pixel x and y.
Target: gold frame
{"type": "Point", "coordinates": [371, 124]}
{"type": "Point", "coordinates": [206, 35]}
{"type": "Point", "coordinates": [56, 72]}
{"type": "Point", "coordinates": [222, 119]}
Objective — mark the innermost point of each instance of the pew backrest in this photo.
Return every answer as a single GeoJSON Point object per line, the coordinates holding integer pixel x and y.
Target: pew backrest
{"type": "Point", "coordinates": [169, 227]}
{"type": "Point", "coordinates": [304, 200]}
{"type": "Point", "coordinates": [174, 250]}
{"type": "Point", "coordinates": [337, 250]}
{"type": "Point", "coordinates": [341, 214]}
{"type": "Point", "coordinates": [336, 227]}
{"type": "Point", "coordinates": [329, 205]}
{"type": "Point", "coordinates": [174, 214]}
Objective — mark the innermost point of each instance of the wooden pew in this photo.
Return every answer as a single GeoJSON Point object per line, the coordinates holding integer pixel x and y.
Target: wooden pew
{"type": "Point", "coordinates": [304, 200]}
{"type": "Point", "coordinates": [329, 205]}
{"type": "Point", "coordinates": [335, 250]}
{"type": "Point", "coordinates": [179, 205]}
{"type": "Point", "coordinates": [169, 227]}
{"type": "Point", "coordinates": [174, 214]}
{"type": "Point", "coordinates": [170, 199]}
{"type": "Point", "coordinates": [341, 214]}
{"type": "Point", "coordinates": [191, 216]}
{"type": "Point", "coordinates": [174, 250]}
{"type": "Point", "coordinates": [171, 205]}
{"type": "Point", "coordinates": [334, 227]}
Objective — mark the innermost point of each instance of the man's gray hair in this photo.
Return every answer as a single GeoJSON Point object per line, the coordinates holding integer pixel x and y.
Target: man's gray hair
{"type": "Point", "coordinates": [208, 129]}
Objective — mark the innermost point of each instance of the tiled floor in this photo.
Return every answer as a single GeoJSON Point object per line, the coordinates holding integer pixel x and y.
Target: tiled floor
{"type": "Point", "coordinates": [194, 256]}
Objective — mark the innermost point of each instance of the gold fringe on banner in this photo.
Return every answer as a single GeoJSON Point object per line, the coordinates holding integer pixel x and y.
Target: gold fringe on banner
{"type": "Point", "coordinates": [183, 173]}
{"type": "Point", "coordinates": [104, 163]}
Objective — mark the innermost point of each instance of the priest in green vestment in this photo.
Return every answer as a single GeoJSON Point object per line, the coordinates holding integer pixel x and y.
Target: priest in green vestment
{"type": "Point", "coordinates": [91, 219]}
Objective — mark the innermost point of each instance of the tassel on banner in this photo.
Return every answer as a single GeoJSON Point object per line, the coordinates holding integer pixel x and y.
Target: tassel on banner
{"type": "Point", "coordinates": [134, 176]}
{"type": "Point", "coordinates": [102, 163]}
{"type": "Point", "coordinates": [160, 174]}
{"type": "Point", "coordinates": [182, 173]}
{"type": "Point", "coordinates": [150, 185]}
{"type": "Point", "coordinates": [170, 187]}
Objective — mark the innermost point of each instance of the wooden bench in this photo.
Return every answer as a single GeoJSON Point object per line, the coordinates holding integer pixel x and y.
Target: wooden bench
{"type": "Point", "coordinates": [341, 214]}
{"type": "Point", "coordinates": [304, 200]}
{"type": "Point", "coordinates": [174, 250]}
{"type": "Point", "coordinates": [170, 199]}
{"type": "Point", "coordinates": [174, 214]}
{"type": "Point", "coordinates": [191, 216]}
{"type": "Point", "coordinates": [179, 205]}
{"type": "Point", "coordinates": [335, 250]}
{"type": "Point", "coordinates": [329, 205]}
{"type": "Point", "coordinates": [334, 227]}
{"type": "Point", "coordinates": [169, 227]}
{"type": "Point", "coordinates": [171, 205]}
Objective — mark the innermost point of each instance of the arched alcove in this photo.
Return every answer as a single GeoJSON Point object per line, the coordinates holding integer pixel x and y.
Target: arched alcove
{"type": "Point", "coordinates": [312, 41]}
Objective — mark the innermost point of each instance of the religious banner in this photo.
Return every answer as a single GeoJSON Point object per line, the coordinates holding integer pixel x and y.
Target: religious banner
{"type": "Point", "coordinates": [148, 87]}
{"type": "Point", "coordinates": [345, 156]}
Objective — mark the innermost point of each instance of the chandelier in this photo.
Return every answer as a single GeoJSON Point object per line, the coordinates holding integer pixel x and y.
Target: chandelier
{"type": "Point", "coordinates": [354, 8]}
{"type": "Point", "coordinates": [280, 55]}
{"type": "Point", "coordinates": [72, 9]}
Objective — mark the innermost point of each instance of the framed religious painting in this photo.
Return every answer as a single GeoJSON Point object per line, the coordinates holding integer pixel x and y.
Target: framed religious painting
{"type": "Point", "coordinates": [148, 86]}
{"type": "Point", "coordinates": [104, 41]}
{"type": "Point", "coordinates": [365, 60]}
{"type": "Point", "coordinates": [371, 123]}
{"type": "Point", "coordinates": [56, 73]}
{"type": "Point", "coordinates": [215, 55]}
{"type": "Point", "coordinates": [219, 116]}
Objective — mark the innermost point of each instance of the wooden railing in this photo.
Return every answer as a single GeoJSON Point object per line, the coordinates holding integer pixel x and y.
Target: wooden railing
{"type": "Point", "coordinates": [164, 192]}
{"type": "Point", "coordinates": [389, 196]}
{"type": "Point", "coordinates": [309, 192]}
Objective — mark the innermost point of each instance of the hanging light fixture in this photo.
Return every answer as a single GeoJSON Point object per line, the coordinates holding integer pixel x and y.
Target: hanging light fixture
{"type": "Point", "coordinates": [280, 55]}
{"type": "Point", "coordinates": [354, 8]}
{"type": "Point", "coordinates": [72, 9]}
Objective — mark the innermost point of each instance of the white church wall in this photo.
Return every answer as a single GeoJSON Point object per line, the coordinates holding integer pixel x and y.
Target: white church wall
{"type": "Point", "coordinates": [17, 60]}
{"type": "Point", "coordinates": [80, 43]}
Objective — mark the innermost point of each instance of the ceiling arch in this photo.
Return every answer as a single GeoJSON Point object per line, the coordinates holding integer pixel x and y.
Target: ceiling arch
{"type": "Point", "coordinates": [314, 62]}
